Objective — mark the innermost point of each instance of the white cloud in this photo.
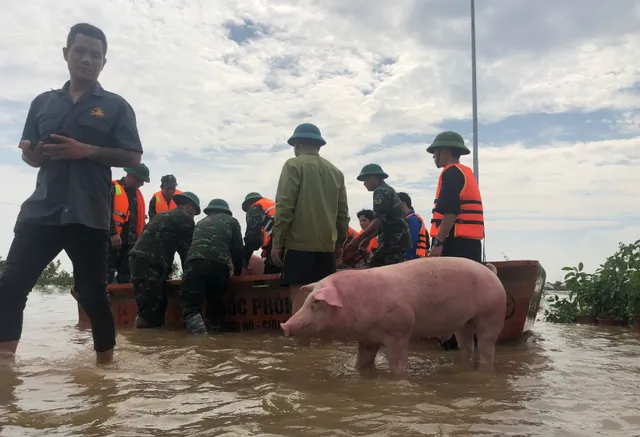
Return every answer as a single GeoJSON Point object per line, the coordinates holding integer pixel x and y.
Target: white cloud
{"type": "Point", "coordinates": [211, 111]}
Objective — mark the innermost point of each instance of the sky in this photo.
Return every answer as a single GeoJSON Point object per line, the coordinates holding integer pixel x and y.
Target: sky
{"type": "Point", "coordinates": [218, 88]}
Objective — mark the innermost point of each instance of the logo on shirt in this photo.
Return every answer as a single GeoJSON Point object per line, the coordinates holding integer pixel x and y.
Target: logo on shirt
{"type": "Point", "coordinates": [98, 112]}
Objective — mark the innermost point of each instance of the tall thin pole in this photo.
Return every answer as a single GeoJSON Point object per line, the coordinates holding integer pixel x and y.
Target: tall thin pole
{"type": "Point", "coordinates": [474, 91]}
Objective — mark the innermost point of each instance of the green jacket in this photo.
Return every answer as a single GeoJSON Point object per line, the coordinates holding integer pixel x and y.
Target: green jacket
{"type": "Point", "coordinates": [311, 204]}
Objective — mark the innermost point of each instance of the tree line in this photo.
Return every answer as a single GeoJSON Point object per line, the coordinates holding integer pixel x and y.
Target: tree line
{"type": "Point", "coordinates": [52, 276]}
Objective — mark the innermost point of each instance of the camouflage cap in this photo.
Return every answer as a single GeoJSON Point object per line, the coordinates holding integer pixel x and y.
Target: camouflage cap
{"type": "Point", "coordinates": [169, 181]}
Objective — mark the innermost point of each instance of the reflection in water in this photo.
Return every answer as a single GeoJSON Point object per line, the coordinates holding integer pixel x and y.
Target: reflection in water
{"type": "Point", "coordinates": [577, 380]}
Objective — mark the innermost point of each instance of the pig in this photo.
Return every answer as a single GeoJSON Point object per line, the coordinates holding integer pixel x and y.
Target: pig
{"type": "Point", "coordinates": [256, 266]}
{"type": "Point", "coordinates": [386, 306]}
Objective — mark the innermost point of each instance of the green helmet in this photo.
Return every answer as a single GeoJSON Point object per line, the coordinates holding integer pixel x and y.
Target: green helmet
{"type": "Point", "coordinates": [372, 170]}
{"type": "Point", "coordinates": [140, 172]}
{"type": "Point", "coordinates": [187, 197]}
{"type": "Point", "coordinates": [307, 131]}
{"type": "Point", "coordinates": [249, 199]}
{"type": "Point", "coordinates": [448, 139]}
{"type": "Point", "coordinates": [169, 181]}
{"type": "Point", "coordinates": [217, 205]}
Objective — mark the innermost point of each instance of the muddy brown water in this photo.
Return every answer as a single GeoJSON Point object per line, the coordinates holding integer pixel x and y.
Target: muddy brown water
{"type": "Point", "coordinates": [572, 381]}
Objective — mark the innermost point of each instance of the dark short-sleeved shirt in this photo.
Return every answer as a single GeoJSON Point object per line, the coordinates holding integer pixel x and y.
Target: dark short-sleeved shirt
{"type": "Point", "coordinates": [77, 191]}
{"type": "Point", "coordinates": [169, 232]}
{"type": "Point", "coordinates": [218, 238]}
{"type": "Point", "coordinates": [393, 235]}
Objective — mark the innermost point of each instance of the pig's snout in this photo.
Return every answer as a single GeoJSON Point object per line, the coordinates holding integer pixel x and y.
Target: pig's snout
{"type": "Point", "coordinates": [285, 329]}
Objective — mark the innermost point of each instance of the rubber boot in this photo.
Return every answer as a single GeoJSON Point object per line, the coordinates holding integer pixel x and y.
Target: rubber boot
{"type": "Point", "coordinates": [195, 325]}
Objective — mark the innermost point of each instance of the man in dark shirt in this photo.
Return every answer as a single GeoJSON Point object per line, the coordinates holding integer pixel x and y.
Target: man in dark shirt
{"type": "Point", "coordinates": [390, 225]}
{"type": "Point", "coordinates": [74, 135]}
{"type": "Point", "coordinates": [128, 221]}
{"type": "Point", "coordinates": [206, 271]}
{"type": "Point", "coordinates": [457, 225]}
{"type": "Point", "coordinates": [151, 258]}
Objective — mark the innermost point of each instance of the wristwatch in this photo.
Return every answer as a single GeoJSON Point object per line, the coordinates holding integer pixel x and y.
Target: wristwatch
{"type": "Point", "coordinates": [435, 242]}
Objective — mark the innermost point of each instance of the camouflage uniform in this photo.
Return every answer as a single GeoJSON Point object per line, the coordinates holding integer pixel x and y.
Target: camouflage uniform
{"type": "Point", "coordinates": [253, 239]}
{"type": "Point", "coordinates": [118, 272]}
{"type": "Point", "coordinates": [393, 236]}
{"type": "Point", "coordinates": [217, 241]}
{"type": "Point", "coordinates": [151, 259]}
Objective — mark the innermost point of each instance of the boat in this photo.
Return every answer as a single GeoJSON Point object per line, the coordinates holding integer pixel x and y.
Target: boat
{"type": "Point", "coordinates": [260, 303]}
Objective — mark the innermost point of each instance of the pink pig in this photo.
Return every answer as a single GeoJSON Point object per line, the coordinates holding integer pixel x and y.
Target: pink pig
{"type": "Point", "coordinates": [386, 306]}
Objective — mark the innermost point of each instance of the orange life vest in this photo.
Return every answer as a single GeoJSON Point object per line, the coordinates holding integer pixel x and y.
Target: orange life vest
{"type": "Point", "coordinates": [423, 238]}
{"type": "Point", "coordinates": [373, 244]}
{"type": "Point", "coordinates": [161, 202]}
{"type": "Point", "coordinates": [470, 220]}
{"type": "Point", "coordinates": [351, 258]}
{"type": "Point", "coordinates": [121, 212]}
{"type": "Point", "coordinates": [268, 217]}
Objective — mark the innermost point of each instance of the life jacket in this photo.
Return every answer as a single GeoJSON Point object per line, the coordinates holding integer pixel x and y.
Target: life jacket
{"type": "Point", "coordinates": [351, 258]}
{"type": "Point", "coordinates": [268, 217]}
{"type": "Point", "coordinates": [373, 245]}
{"type": "Point", "coordinates": [423, 238]}
{"type": "Point", "coordinates": [121, 212]}
{"type": "Point", "coordinates": [161, 202]}
{"type": "Point", "coordinates": [470, 221]}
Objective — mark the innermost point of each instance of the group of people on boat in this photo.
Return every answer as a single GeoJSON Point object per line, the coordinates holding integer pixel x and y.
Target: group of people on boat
{"type": "Point", "coordinates": [75, 135]}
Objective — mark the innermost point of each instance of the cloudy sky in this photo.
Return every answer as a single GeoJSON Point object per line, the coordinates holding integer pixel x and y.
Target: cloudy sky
{"type": "Point", "coordinates": [218, 88]}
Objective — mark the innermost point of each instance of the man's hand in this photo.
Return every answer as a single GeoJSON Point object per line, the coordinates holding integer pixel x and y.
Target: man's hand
{"type": "Point", "coordinates": [67, 149]}
{"type": "Point", "coordinates": [435, 251]}
{"type": "Point", "coordinates": [35, 157]}
{"type": "Point", "coordinates": [354, 245]}
{"type": "Point", "coordinates": [116, 241]}
{"type": "Point", "coordinates": [276, 257]}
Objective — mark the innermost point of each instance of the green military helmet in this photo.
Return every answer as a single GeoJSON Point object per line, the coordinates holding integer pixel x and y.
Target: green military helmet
{"type": "Point", "coordinates": [307, 131]}
{"type": "Point", "coordinates": [372, 170]}
{"type": "Point", "coordinates": [249, 199]}
{"type": "Point", "coordinates": [141, 172]}
{"type": "Point", "coordinates": [185, 197]}
{"type": "Point", "coordinates": [448, 139]}
{"type": "Point", "coordinates": [169, 181]}
{"type": "Point", "coordinates": [217, 205]}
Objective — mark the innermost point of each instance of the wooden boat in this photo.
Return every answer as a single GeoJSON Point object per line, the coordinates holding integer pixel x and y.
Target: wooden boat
{"type": "Point", "coordinates": [259, 302]}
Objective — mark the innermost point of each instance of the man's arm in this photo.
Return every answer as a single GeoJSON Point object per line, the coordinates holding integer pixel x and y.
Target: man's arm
{"type": "Point", "coordinates": [112, 226]}
{"type": "Point", "coordinates": [127, 150]}
{"type": "Point", "coordinates": [342, 218]}
{"type": "Point", "coordinates": [152, 208]}
{"type": "Point", "coordinates": [448, 204]}
{"type": "Point", "coordinates": [237, 251]}
{"type": "Point", "coordinates": [185, 235]}
{"type": "Point", "coordinates": [286, 197]}
{"type": "Point", "coordinates": [30, 132]}
{"type": "Point", "coordinates": [253, 234]}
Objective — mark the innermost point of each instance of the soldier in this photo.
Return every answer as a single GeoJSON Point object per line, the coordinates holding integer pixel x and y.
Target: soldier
{"type": "Point", "coordinates": [152, 257]}
{"type": "Point", "coordinates": [163, 200]}
{"type": "Point", "coordinates": [390, 225]}
{"type": "Point", "coordinates": [206, 271]}
{"type": "Point", "coordinates": [128, 219]}
{"type": "Point", "coordinates": [260, 217]}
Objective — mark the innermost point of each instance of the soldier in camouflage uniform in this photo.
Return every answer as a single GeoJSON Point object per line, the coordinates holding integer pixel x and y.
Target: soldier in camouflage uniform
{"type": "Point", "coordinates": [259, 226]}
{"type": "Point", "coordinates": [217, 241]}
{"type": "Point", "coordinates": [390, 223]}
{"type": "Point", "coordinates": [152, 257]}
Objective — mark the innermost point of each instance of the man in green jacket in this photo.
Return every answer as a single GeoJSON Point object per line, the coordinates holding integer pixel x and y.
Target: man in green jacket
{"type": "Point", "coordinates": [312, 217]}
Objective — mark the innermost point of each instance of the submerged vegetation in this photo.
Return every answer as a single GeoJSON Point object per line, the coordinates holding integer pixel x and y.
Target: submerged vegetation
{"type": "Point", "coordinates": [52, 276]}
{"type": "Point", "coordinates": [609, 295]}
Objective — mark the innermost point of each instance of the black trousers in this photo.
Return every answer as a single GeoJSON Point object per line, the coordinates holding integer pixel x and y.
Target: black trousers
{"type": "Point", "coordinates": [33, 248]}
{"type": "Point", "coordinates": [119, 270]}
{"type": "Point", "coordinates": [203, 280]}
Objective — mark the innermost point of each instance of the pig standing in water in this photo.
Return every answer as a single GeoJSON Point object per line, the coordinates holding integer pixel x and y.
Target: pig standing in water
{"type": "Point", "coordinates": [386, 306]}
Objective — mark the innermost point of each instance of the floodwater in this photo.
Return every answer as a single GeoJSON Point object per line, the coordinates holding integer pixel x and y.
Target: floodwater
{"type": "Point", "coordinates": [572, 381]}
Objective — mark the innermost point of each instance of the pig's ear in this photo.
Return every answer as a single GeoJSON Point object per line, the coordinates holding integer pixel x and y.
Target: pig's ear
{"type": "Point", "coordinates": [330, 295]}
{"type": "Point", "coordinates": [308, 288]}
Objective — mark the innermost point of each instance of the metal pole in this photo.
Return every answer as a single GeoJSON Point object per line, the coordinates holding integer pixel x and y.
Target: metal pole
{"type": "Point", "coordinates": [474, 91]}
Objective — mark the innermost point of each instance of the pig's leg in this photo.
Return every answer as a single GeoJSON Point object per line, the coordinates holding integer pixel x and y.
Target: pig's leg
{"type": "Point", "coordinates": [397, 354]}
{"type": "Point", "coordinates": [366, 355]}
{"type": "Point", "coordinates": [297, 300]}
{"type": "Point", "coordinates": [488, 329]}
{"type": "Point", "coordinates": [464, 336]}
